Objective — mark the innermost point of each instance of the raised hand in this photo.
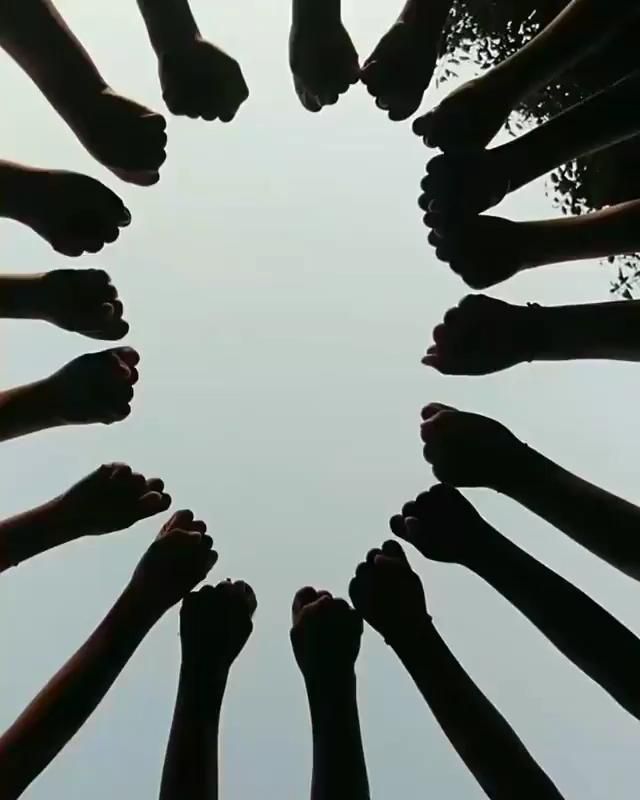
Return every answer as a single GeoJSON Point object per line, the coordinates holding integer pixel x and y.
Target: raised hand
{"type": "Point", "coordinates": [322, 57]}
{"type": "Point", "coordinates": [84, 301]}
{"type": "Point", "coordinates": [74, 213]}
{"type": "Point", "coordinates": [200, 80]}
{"type": "Point", "coordinates": [111, 498]}
{"type": "Point", "coordinates": [178, 559]}
{"type": "Point", "coordinates": [215, 624]}
{"type": "Point", "coordinates": [96, 387]}
{"type": "Point", "coordinates": [440, 523]}
{"type": "Point", "coordinates": [482, 335]}
{"type": "Point", "coordinates": [387, 593]}
{"type": "Point", "coordinates": [468, 449]}
{"type": "Point", "coordinates": [325, 634]}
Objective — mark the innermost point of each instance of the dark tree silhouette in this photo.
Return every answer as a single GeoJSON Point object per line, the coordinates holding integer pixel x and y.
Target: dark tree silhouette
{"type": "Point", "coordinates": [485, 32]}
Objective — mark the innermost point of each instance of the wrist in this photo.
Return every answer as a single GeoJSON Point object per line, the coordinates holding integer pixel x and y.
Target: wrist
{"type": "Point", "coordinates": [331, 683]}
{"type": "Point", "coordinates": [311, 13]}
{"type": "Point", "coordinates": [410, 635]}
{"type": "Point", "coordinates": [514, 468]}
{"type": "Point", "coordinates": [14, 189]}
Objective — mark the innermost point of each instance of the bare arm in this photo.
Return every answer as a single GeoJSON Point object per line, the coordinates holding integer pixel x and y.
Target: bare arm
{"type": "Point", "coordinates": [169, 23]}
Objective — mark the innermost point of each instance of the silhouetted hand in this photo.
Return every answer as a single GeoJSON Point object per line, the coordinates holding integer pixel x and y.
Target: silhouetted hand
{"type": "Point", "coordinates": [124, 136]}
{"type": "Point", "coordinates": [322, 57]}
{"type": "Point", "coordinates": [74, 213]}
{"type": "Point", "coordinates": [387, 592]}
{"type": "Point", "coordinates": [400, 68]}
{"type": "Point", "coordinates": [111, 498]}
{"type": "Point", "coordinates": [464, 183]}
{"type": "Point", "coordinates": [482, 250]}
{"type": "Point", "coordinates": [215, 624]}
{"type": "Point", "coordinates": [84, 301]}
{"type": "Point", "coordinates": [178, 559]}
{"type": "Point", "coordinates": [201, 80]}
{"type": "Point", "coordinates": [96, 387]}
{"type": "Point", "coordinates": [325, 635]}
{"type": "Point", "coordinates": [440, 523]}
{"type": "Point", "coordinates": [482, 335]}
{"type": "Point", "coordinates": [467, 449]}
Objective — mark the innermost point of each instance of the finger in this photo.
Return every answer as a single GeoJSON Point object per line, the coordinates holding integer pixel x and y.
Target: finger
{"type": "Point", "coordinates": [422, 125]}
{"type": "Point", "coordinates": [392, 549]}
{"type": "Point", "coordinates": [398, 527]}
{"type": "Point", "coordinates": [130, 356]}
{"type": "Point", "coordinates": [372, 554]}
{"type": "Point", "coordinates": [155, 485]}
{"type": "Point", "coordinates": [408, 509]}
{"type": "Point", "coordinates": [430, 410]}
{"type": "Point", "coordinates": [302, 598]}
{"type": "Point", "coordinates": [181, 519]}
{"type": "Point", "coordinates": [152, 503]}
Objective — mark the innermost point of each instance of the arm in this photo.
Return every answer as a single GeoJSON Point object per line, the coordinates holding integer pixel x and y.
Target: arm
{"type": "Point", "coordinates": [480, 735]}
{"type": "Point", "coordinates": [20, 296]}
{"type": "Point", "coordinates": [582, 630]}
{"type": "Point", "coordinates": [25, 410]}
{"type": "Point", "coordinates": [169, 23]}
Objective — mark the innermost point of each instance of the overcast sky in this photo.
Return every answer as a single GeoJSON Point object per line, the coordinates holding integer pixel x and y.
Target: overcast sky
{"type": "Point", "coordinates": [281, 292]}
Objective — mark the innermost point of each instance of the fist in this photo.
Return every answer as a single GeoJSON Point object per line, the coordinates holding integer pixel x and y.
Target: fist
{"type": "Point", "coordinates": [96, 387]}
{"type": "Point", "coordinates": [441, 524]}
{"type": "Point", "coordinates": [325, 634]}
{"type": "Point", "coordinates": [482, 335]}
{"type": "Point", "coordinates": [215, 624]}
{"type": "Point", "coordinates": [399, 70]}
{"type": "Point", "coordinates": [387, 593]}
{"type": "Point", "coordinates": [111, 499]}
{"type": "Point", "coordinates": [323, 61]}
{"type": "Point", "coordinates": [122, 135]}
{"type": "Point", "coordinates": [200, 80]}
{"type": "Point", "coordinates": [74, 213]}
{"type": "Point", "coordinates": [84, 301]}
{"type": "Point", "coordinates": [467, 449]}
{"type": "Point", "coordinates": [178, 560]}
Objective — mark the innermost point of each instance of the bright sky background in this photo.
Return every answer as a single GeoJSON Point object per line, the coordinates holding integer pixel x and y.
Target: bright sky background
{"type": "Point", "coordinates": [281, 292]}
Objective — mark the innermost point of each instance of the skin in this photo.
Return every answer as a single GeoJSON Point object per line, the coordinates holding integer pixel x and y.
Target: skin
{"type": "Point", "coordinates": [323, 60]}
{"type": "Point", "coordinates": [399, 70]}
{"type": "Point", "coordinates": [215, 624]}
{"type": "Point", "coordinates": [325, 636]}
{"type": "Point", "coordinates": [390, 597]}
{"type": "Point", "coordinates": [469, 450]}
{"type": "Point", "coordinates": [75, 214]}
{"type": "Point", "coordinates": [467, 182]}
{"type": "Point", "coordinates": [112, 498]}
{"type": "Point", "coordinates": [96, 387]}
{"type": "Point", "coordinates": [487, 250]}
{"type": "Point", "coordinates": [198, 79]}
{"type": "Point", "coordinates": [472, 114]}
{"type": "Point", "coordinates": [124, 136]}
{"type": "Point", "coordinates": [178, 559]}
{"type": "Point", "coordinates": [443, 526]}
{"type": "Point", "coordinates": [83, 301]}
{"type": "Point", "coordinates": [482, 335]}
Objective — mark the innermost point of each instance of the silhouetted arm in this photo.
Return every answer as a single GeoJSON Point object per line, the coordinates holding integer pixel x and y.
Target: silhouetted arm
{"type": "Point", "coordinates": [604, 524]}
{"type": "Point", "coordinates": [26, 535]}
{"type": "Point", "coordinates": [25, 410]}
{"type": "Point", "coordinates": [169, 23]}
{"type": "Point", "coordinates": [20, 297]}
{"type": "Point", "coordinates": [480, 735]}
{"type": "Point", "coordinates": [64, 705]}
{"type": "Point", "coordinates": [582, 630]}
{"type": "Point", "coordinates": [339, 768]}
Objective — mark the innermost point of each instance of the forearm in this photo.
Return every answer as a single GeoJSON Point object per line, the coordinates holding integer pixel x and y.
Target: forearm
{"type": "Point", "coordinates": [480, 735]}
{"type": "Point", "coordinates": [612, 231]}
{"type": "Point", "coordinates": [604, 524]}
{"type": "Point", "coordinates": [25, 410]}
{"type": "Point", "coordinates": [33, 532]}
{"type": "Point", "coordinates": [169, 23]}
{"type": "Point", "coordinates": [605, 119]}
{"type": "Point", "coordinates": [67, 701]}
{"type": "Point", "coordinates": [20, 297]}
{"type": "Point", "coordinates": [582, 630]}
{"type": "Point", "coordinates": [339, 768]}
{"type": "Point", "coordinates": [583, 26]}
{"type": "Point", "coordinates": [14, 192]}
{"type": "Point", "coordinates": [430, 13]}
{"type": "Point", "coordinates": [34, 34]}
{"type": "Point", "coordinates": [191, 761]}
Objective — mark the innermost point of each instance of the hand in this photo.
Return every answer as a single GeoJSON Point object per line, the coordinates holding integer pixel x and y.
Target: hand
{"type": "Point", "coordinates": [200, 80]}
{"type": "Point", "coordinates": [215, 624]}
{"type": "Point", "coordinates": [322, 57]}
{"type": "Point", "coordinates": [96, 387]}
{"type": "Point", "coordinates": [400, 68]}
{"type": "Point", "coordinates": [84, 301]}
{"type": "Point", "coordinates": [388, 594]}
{"type": "Point", "coordinates": [122, 135]}
{"type": "Point", "coordinates": [178, 559]}
{"type": "Point", "coordinates": [111, 498]}
{"type": "Point", "coordinates": [441, 524]}
{"type": "Point", "coordinates": [482, 335]}
{"type": "Point", "coordinates": [467, 449]}
{"type": "Point", "coordinates": [325, 635]}
{"type": "Point", "coordinates": [74, 213]}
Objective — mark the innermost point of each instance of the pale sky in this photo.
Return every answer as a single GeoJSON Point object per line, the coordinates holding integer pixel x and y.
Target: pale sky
{"type": "Point", "coordinates": [281, 291]}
